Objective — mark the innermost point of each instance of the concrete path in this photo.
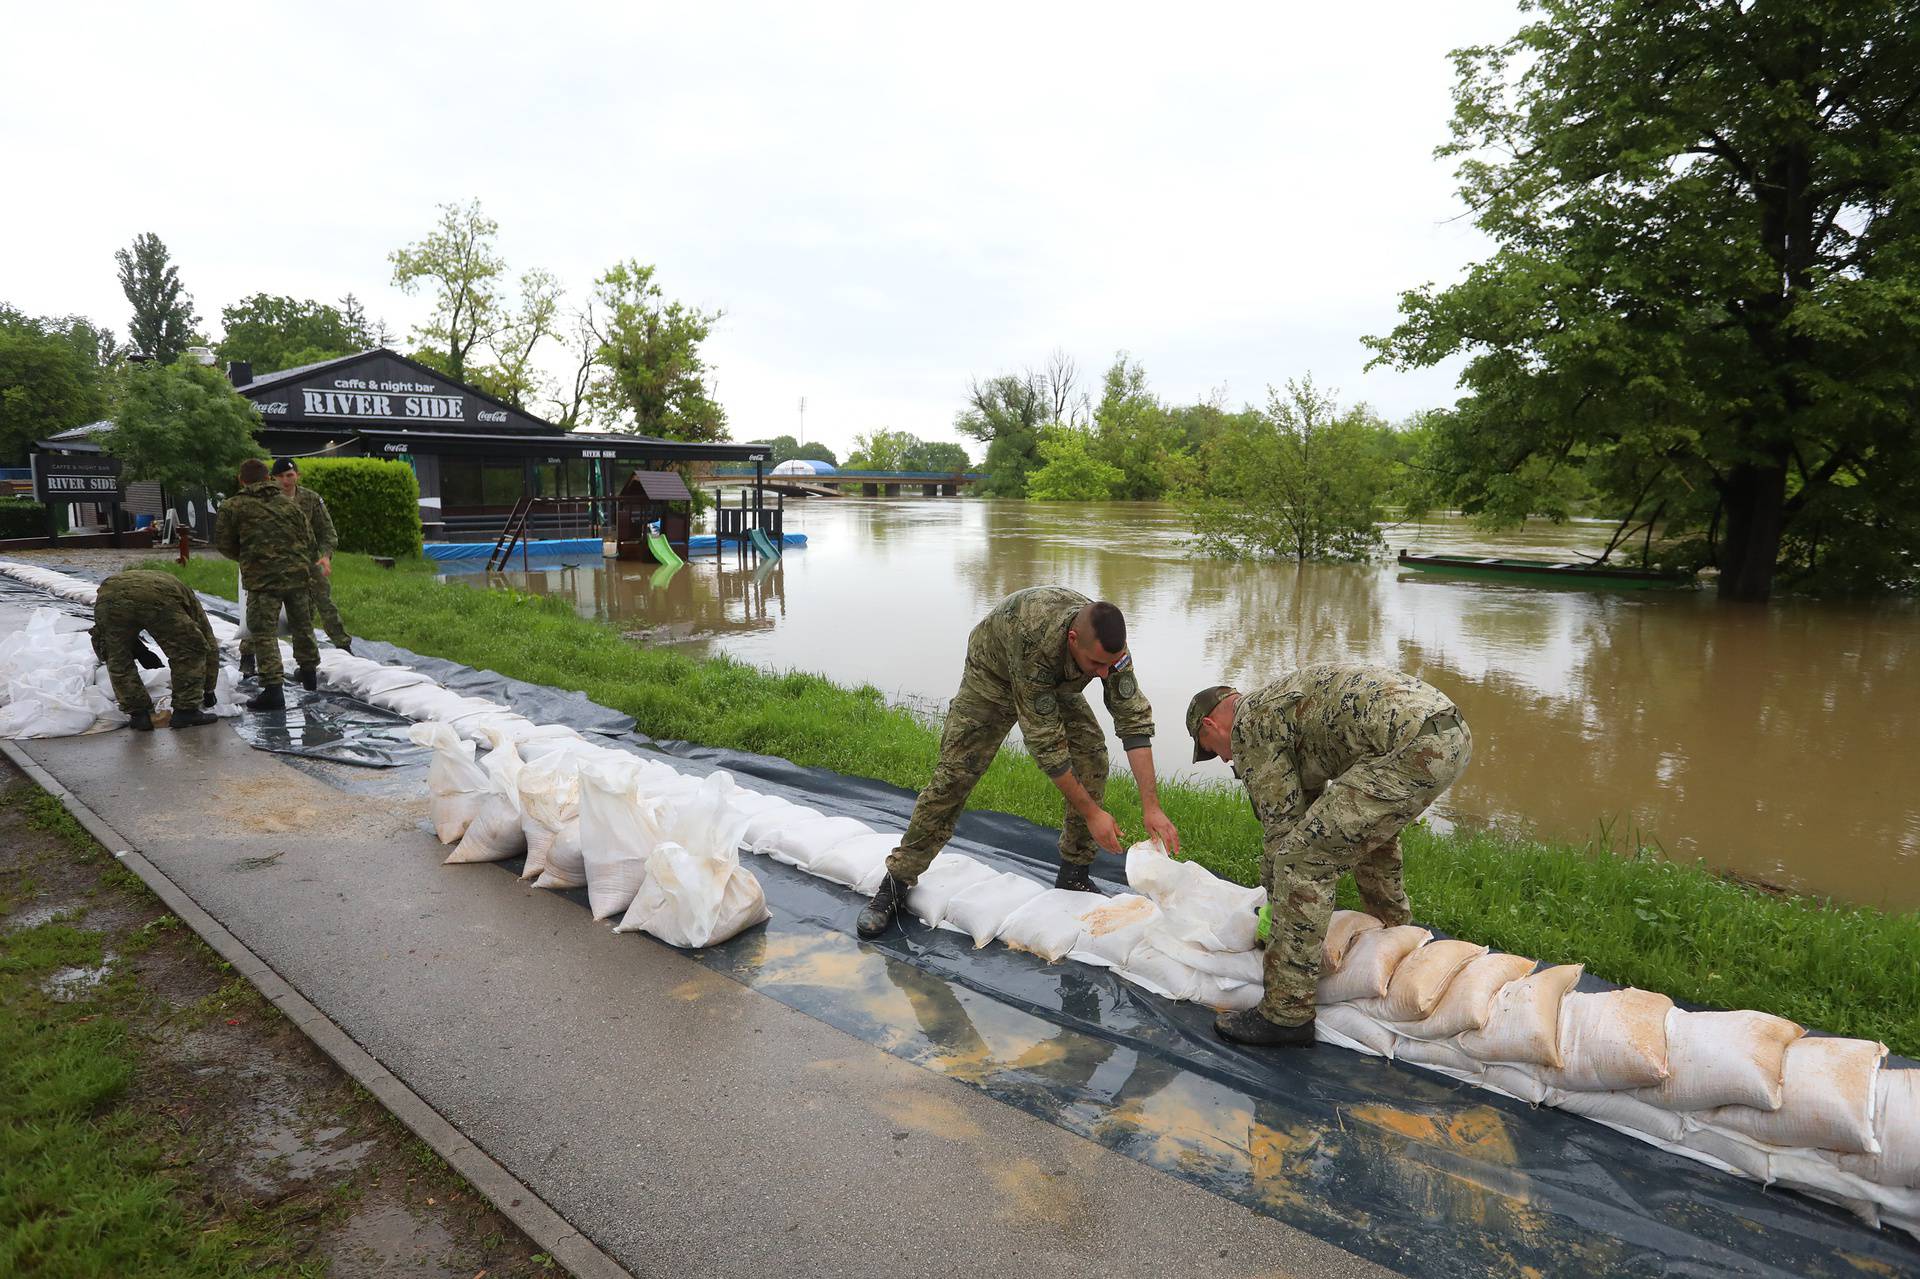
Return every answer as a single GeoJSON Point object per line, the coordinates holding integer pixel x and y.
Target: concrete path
{"type": "Point", "coordinates": [681, 1122]}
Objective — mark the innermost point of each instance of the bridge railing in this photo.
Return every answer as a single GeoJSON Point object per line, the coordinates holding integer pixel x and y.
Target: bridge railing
{"type": "Point", "coordinates": [737, 472]}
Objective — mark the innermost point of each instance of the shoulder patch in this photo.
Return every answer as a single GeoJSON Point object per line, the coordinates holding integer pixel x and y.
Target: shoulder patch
{"type": "Point", "coordinates": [1047, 704]}
{"type": "Point", "coordinates": [1125, 684]}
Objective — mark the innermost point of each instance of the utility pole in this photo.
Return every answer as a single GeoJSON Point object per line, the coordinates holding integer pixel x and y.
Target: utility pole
{"type": "Point", "coordinates": [803, 419]}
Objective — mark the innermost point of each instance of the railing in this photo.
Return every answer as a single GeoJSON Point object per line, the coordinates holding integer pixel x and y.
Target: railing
{"type": "Point", "coordinates": [864, 477]}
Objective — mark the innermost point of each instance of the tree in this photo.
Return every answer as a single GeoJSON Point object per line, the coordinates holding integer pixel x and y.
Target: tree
{"type": "Point", "coordinates": [937, 455]}
{"type": "Point", "coordinates": [1006, 412]}
{"type": "Point", "coordinates": [53, 376]}
{"type": "Point", "coordinates": [786, 449]}
{"type": "Point", "coordinates": [882, 450]}
{"type": "Point", "coordinates": [1134, 435]}
{"type": "Point", "coordinates": [1069, 472]}
{"type": "Point", "coordinates": [163, 317]}
{"type": "Point", "coordinates": [651, 378]}
{"type": "Point", "coordinates": [184, 426]}
{"type": "Point", "coordinates": [457, 260]}
{"type": "Point", "coordinates": [1703, 289]}
{"type": "Point", "coordinates": [513, 376]}
{"type": "Point", "coordinates": [1301, 480]}
{"type": "Point", "coordinates": [272, 333]}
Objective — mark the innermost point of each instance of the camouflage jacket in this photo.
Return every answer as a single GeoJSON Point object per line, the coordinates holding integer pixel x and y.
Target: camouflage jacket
{"type": "Point", "coordinates": [314, 507]}
{"type": "Point", "coordinates": [1295, 735]}
{"type": "Point", "coordinates": [145, 597]}
{"type": "Point", "coordinates": [266, 532]}
{"type": "Point", "coordinates": [1017, 660]}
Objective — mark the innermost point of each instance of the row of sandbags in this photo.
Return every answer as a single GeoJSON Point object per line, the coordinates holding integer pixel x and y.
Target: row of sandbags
{"type": "Point", "coordinates": [1743, 1091]}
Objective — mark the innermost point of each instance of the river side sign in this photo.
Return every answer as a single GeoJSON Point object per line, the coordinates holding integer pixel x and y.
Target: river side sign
{"type": "Point", "coordinates": [381, 390]}
{"type": "Point", "coordinates": [71, 478]}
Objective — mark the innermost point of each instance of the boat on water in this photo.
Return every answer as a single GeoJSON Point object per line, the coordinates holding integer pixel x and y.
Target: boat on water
{"type": "Point", "coordinates": [1548, 572]}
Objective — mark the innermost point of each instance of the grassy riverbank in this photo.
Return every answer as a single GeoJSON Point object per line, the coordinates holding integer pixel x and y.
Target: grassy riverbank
{"type": "Point", "coordinates": [1640, 921]}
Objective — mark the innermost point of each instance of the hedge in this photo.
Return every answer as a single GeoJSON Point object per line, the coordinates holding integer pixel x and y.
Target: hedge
{"type": "Point", "coordinates": [22, 518]}
{"type": "Point", "coordinates": [375, 504]}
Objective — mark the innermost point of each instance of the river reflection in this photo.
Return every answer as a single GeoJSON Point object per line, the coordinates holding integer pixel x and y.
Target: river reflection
{"type": "Point", "coordinates": [1777, 742]}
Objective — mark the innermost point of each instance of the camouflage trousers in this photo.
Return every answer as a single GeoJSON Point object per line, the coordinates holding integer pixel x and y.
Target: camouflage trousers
{"type": "Point", "coordinates": [189, 648]}
{"type": "Point", "coordinates": [1353, 825]}
{"type": "Point", "coordinates": [974, 729]}
{"type": "Point", "coordinates": [263, 623]}
{"type": "Point", "coordinates": [320, 603]}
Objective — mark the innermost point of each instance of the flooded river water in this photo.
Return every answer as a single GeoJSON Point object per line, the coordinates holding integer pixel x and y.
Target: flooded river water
{"type": "Point", "coordinates": [1779, 742]}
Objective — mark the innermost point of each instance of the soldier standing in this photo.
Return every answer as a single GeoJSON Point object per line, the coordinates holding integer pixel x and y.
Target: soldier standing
{"type": "Point", "coordinates": [1026, 663]}
{"type": "Point", "coordinates": [287, 472]}
{"type": "Point", "coordinates": [262, 529]}
{"type": "Point", "coordinates": [160, 604]}
{"type": "Point", "coordinates": [1337, 759]}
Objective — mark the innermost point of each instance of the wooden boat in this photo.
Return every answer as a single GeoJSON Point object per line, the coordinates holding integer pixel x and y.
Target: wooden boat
{"type": "Point", "coordinates": [1548, 572]}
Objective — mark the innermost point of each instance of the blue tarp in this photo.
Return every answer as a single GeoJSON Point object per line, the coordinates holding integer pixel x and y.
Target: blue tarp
{"type": "Point", "coordinates": [566, 546]}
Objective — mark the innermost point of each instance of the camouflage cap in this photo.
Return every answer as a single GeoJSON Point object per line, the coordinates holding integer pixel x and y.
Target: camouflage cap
{"type": "Point", "coordinates": [1198, 709]}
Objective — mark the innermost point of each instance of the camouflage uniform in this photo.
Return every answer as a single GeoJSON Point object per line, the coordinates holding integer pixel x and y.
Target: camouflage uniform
{"type": "Point", "coordinates": [1018, 670]}
{"type": "Point", "coordinates": [267, 533]}
{"type": "Point", "coordinates": [1337, 758]}
{"type": "Point", "coordinates": [159, 604]}
{"type": "Point", "coordinates": [320, 591]}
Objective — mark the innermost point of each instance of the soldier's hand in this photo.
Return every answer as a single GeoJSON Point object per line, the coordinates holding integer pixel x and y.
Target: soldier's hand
{"type": "Point", "coordinates": [1105, 831]}
{"type": "Point", "coordinates": [326, 566]}
{"type": "Point", "coordinates": [145, 656]}
{"type": "Point", "coordinates": [1161, 831]}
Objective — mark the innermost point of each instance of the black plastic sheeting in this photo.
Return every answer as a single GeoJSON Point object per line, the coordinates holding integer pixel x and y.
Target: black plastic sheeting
{"type": "Point", "coordinates": [1399, 1165]}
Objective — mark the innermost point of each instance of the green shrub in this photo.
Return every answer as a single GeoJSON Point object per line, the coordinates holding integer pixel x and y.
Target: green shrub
{"type": "Point", "coordinates": [375, 504]}
{"type": "Point", "coordinates": [22, 518]}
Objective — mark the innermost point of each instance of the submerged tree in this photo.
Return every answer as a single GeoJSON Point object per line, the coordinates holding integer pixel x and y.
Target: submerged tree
{"type": "Point", "coordinates": [1068, 471]}
{"type": "Point", "coordinates": [1704, 288]}
{"type": "Point", "coordinates": [163, 318]}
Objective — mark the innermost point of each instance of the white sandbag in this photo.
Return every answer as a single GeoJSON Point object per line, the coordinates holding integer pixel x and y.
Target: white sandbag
{"type": "Point", "coordinates": [860, 862]}
{"type": "Point", "coordinates": [1827, 1097]}
{"type": "Point", "coordinates": [1468, 1000]}
{"type": "Point", "coordinates": [752, 803]}
{"type": "Point", "coordinates": [1517, 1081]}
{"type": "Point", "coordinates": [1226, 996]}
{"type": "Point", "coordinates": [950, 875]}
{"type": "Point", "coordinates": [981, 910]}
{"type": "Point", "coordinates": [494, 834]}
{"type": "Point", "coordinates": [385, 679]}
{"type": "Point", "coordinates": [1421, 980]}
{"type": "Point", "coordinates": [699, 894]}
{"type": "Point", "coordinates": [618, 832]}
{"type": "Point", "coordinates": [1240, 967]}
{"type": "Point", "coordinates": [1723, 1059]}
{"type": "Point", "coordinates": [799, 843]}
{"type": "Point", "coordinates": [1524, 1024]}
{"type": "Point", "coordinates": [1195, 904]}
{"type": "Point", "coordinates": [1114, 928]}
{"type": "Point", "coordinates": [1149, 969]}
{"type": "Point", "coordinates": [549, 801]}
{"type": "Point", "coordinates": [705, 818]}
{"type": "Point", "coordinates": [762, 826]}
{"type": "Point", "coordinates": [1342, 927]}
{"type": "Point", "coordinates": [1730, 1150]}
{"type": "Point", "coordinates": [1622, 1112]}
{"type": "Point", "coordinates": [1896, 1126]}
{"type": "Point", "coordinates": [456, 785]}
{"type": "Point", "coordinates": [1352, 1029]}
{"type": "Point", "coordinates": [1049, 925]}
{"type": "Point", "coordinates": [1437, 1055]}
{"type": "Point", "coordinates": [1611, 1040]}
{"type": "Point", "coordinates": [1367, 971]}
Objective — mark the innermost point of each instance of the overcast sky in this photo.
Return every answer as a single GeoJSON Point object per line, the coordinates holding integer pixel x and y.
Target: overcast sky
{"type": "Point", "coordinates": [884, 200]}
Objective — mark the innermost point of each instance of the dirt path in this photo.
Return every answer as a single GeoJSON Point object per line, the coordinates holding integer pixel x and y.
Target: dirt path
{"type": "Point", "coordinates": [263, 1137]}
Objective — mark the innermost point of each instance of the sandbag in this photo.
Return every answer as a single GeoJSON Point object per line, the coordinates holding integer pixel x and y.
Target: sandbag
{"type": "Point", "coordinates": [1370, 961]}
{"type": "Point", "coordinates": [1226, 996]}
{"type": "Point", "coordinates": [1113, 929]}
{"type": "Point", "coordinates": [1621, 1111]}
{"type": "Point", "coordinates": [799, 843]}
{"type": "Point", "coordinates": [1195, 904]}
{"type": "Point", "coordinates": [1421, 980]}
{"type": "Point", "coordinates": [1828, 1092]}
{"type": "Point", "coordinates": [860, 863]}
{"type": "Point", "coordinates": [1239, 967]}
{"type": "Point", "coordinates": [1437, 1055]}
{"type": "Point", "coordinates": [1342, 927]}
{"type": "Point", "coordinates": [981, 910]}
{"type": "Point", "coordinates": [1896, 1126]}
{"type": "Point", "coordinates": [1049, 925]}
{"type": "Point", "coordinates": [456, 785]}
{"type": "Point", "coordinates": [1350, 1028]}
{"type": "Point", "coordinates": [1149, 969]}
{"type": "Point", "coordinates": [699, 894]}
{"type": "Point", "coordinates": [1723, 1059]}
{"type": "Point", "coordinates": [494, 834]}
{"type": "Point", "coordinates": [1468, 1000]}
{"type": "Point", "coordinates": [762, 825]}
{"type": "Point", "coordinates": [618, 831]}
{"type": "Point", "coordinates": [950, 875]}
{"type": "Point", "coordinates": [1524, 1024]}
{"type": "Point", "coordinates": [1611, 1041]}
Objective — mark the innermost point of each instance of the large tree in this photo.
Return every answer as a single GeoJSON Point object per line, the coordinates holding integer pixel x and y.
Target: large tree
{"type": "Point", "coordinates": [513, 375]}
{"type": "Point", "coordinates": [1704, 291]}
{"type": "Point", "coordinates": [457, 261]}
{"type": "Point", "coordinates": [53, 375]}
{"type": "Point", "coordinates": [1069, 471]}
{"type": "Point", "coordinates": [652, 378]}
{"type": "Point", "coordinates": [184, 426]}
{"type": "Point", "coordinates": [272, 333]}
{"type": "Point", "coordinates": [163, 318]}
{"type": "Point", "coordinates": [786, 448]}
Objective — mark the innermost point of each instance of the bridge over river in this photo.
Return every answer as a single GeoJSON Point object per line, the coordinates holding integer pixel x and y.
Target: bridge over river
{"type": "Point", "coordinates": [856, 483]}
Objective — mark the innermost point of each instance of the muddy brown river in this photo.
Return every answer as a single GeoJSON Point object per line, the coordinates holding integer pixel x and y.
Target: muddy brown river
{"type": "Point", "coordinates": [1778, 742]}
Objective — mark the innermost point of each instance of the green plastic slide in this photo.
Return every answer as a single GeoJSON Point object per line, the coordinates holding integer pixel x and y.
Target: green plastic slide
{"type": "Point", "coordinates": [763, 544]}
{"type": "Point", "coordinates": [657, 544]}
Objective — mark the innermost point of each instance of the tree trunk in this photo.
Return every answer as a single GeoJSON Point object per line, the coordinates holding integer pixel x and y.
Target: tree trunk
{"type": "Point", "coordinates": [1756, 509]}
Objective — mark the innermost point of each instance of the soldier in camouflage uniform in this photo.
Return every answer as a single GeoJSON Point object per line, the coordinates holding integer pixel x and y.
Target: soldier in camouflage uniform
{"type": "Point", "coordinates": [266, 532]}
{"type": "Point", "coordinates": [159, 604]}
{"type": "Point", "coordinates": [286, 472]}
{"type": "Point", "coordinates": [1337, 759]}
{"type": "Point", "coordinates": [1026, 663]}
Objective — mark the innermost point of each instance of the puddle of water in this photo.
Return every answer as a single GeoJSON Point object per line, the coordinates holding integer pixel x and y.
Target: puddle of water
{"type": "Point", "coordinates": [384, 1239]}
{"type": "Point", "coordinates": [69, 984]}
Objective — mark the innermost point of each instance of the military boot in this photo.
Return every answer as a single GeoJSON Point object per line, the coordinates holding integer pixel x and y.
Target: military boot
{"type": "Point", "coordinates": [345, 645]}
{"type": "Point", "coordinates": [1252, 1027]}
{"type": "Point", "coordinates": [141, 721]}
{"type": "Point", "coordinates": [193, 718]}
{"type": "Point", "coordinates": [269, 698]}
{"type": "Point", "coordinates": [309, 677]}
{"type": "Point", "coordinates": [1077, 878]}
{"type": "Point", "coordinates": [886, 903]}
{"type": "Point", "coordinates": [248, 666]}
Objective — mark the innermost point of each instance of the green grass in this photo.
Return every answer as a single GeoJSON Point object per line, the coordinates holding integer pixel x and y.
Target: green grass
{"type": "Point", "coordinates": [1638, 920]}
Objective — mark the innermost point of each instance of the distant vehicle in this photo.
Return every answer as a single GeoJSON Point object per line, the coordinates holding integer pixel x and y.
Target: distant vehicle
{"type": "Point", "coordinates": [804, 466]}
